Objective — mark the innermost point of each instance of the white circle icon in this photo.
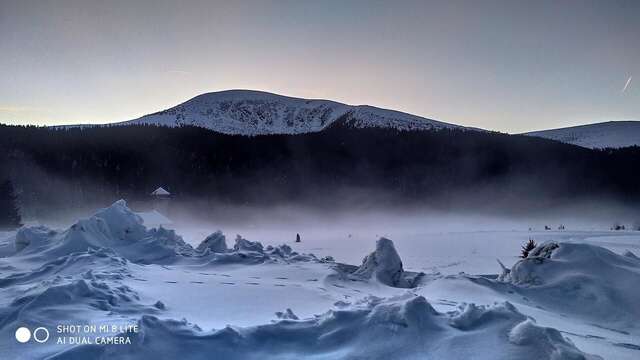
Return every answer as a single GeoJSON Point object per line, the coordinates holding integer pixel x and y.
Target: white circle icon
{"type": "Point", "coordinates": [23, 335]}
{"type": "Point", "coordinates": [41, 338]}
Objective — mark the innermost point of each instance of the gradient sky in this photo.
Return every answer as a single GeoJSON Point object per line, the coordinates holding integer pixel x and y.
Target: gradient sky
{"type": "Point", "coordinates": [511, 65]}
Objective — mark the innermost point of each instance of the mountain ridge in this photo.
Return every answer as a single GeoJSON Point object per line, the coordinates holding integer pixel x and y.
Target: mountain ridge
{"type": "Point", "coordinates": [608, 134]}
{"type": "Point", "coordinates": [250, 112]}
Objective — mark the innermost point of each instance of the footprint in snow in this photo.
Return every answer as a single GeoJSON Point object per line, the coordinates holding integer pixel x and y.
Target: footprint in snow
{"type": "Point", "coordinates": [254, 277]}
{"type": "Point", "coordinates": [312, 279]}
{"type": "Point", "coordinates": [196, 282]}
{"type": "Point", "coordinates": [282, 278]}
{"type": "Point", "coordinates": [171, 282]}
{"type": "Point", "coordinates": [588, 336]}
{"type": "Point", "coordinates": [611, 329]}
{"type": "Point", "coordinates": [279, 285]}
{"type": "Point", "coordinates": [139, 279]}
{"type": "Point", "coordinates": [227, 283]}
{"type": "Point", "coordinates": [447, 302]}
{"type": "Point", "coordinates": [252, 283]}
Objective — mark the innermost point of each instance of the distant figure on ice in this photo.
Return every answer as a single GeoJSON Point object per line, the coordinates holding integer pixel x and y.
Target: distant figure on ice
{"type": "Point", "coordinates": [297, 237]}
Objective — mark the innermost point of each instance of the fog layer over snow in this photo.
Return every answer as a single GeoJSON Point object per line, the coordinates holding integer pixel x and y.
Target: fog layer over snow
{"type": "Point", "coordinates": [246, 299]}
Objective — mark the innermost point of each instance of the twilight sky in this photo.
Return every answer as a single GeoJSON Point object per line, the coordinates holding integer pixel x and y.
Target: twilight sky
{"type": "Point", "coordinates": [510, 65]}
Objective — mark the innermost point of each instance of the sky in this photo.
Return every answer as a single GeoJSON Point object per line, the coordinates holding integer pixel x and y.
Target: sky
{"type": "Point", "coordinates": [511, 66]}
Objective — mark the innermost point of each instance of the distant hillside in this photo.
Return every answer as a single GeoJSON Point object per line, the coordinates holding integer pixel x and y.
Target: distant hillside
{"type": "Point", "coordinates": [611, 134]}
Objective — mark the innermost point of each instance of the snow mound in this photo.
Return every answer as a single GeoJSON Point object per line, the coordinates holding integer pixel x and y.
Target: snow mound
{"type": "Point", "coordinates": [245, 246]}
{"type": "Point", "coordinates": [628, 253]}
{"type": "Point", "coordinates": [471, 316]}
{"type": "Point", "coordinates": [548, 341]}
{"type": "Point", "coordinates": [384, 265]}
{"type": "Point", "coordinates": [64, 300]}
{"type": "Point", "coordinates": [115, 227]}
{"type": "Point", "coordinates": [120, 230]}
{"type": "Point", "coordinates": [89, 292]}
{"type": "Point", "coordinates": [216, 243]}
{"type": "Point", "coordinates": [102, 264]}
{"type": "Point", "coordinates": [404, 327]}
{"type": "Point", "coordinates": [561, 275]}
{"type": "Point", "coordinates": [35, 237]}
{"type": "Point", "coordinates": [214, 249]}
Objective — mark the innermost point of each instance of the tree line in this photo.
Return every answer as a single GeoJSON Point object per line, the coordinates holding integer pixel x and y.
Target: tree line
{"type": "Point", "coordinates": [74, 166]}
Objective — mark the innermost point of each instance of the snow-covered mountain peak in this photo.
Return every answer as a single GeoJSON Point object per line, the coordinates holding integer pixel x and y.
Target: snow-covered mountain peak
{"type": "Point", "coordinates": [610, 134]}
{"type": "Point", "coordinates": [249, 112]}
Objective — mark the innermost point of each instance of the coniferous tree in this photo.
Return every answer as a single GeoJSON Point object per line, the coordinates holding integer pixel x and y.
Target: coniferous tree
{"type": "Point", "coordinates": [9, 211]}
{"type": "Point", "coordinates": [526, 248]}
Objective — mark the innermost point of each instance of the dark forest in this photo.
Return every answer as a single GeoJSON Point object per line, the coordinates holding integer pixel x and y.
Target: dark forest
{"type": "Point", "coordinates": [67, 167]}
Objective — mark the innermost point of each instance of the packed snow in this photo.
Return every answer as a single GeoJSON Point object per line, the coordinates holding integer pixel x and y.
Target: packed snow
{"type": "Point", "coordinates": [159, 297]}
{"type": "Point", "coordinates": [612, 134]}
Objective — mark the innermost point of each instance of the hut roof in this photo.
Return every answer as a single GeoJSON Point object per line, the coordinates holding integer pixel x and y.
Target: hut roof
{"type": "Point", "coordinates": [160, 192]}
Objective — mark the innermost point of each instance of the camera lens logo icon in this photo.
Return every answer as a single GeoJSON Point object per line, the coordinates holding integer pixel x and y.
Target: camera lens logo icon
{"type": "Point", "coordinates": [23, 335]}
{"type": "Point", "coordinates": [40, 335]}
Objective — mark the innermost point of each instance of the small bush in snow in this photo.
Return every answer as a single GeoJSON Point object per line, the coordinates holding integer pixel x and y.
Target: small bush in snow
{"type": "Point", "coordinates": [526, 248]}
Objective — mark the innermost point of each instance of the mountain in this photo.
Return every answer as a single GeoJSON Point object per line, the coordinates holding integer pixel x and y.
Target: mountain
{"type": "Point", "coordinates": [611, 134]}
{"type": "Point", "coordinates": [248, 112]}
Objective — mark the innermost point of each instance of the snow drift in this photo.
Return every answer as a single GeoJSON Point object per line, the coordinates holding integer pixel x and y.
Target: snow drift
{"type": "Point", "coordinates": [405, 327]}
{"type": "Point", "coordinates": [581, 279]}
{"type": "Point", "coordinates": [214, 249]}
{"type": "Point", "coordinates": [110, 267]}
{"type": "Point", "coordinates": [115, 227]}
{"type": "Point", "coordinates": [383, 265]}
{"type": "Point", "coordinates": [121, 230]}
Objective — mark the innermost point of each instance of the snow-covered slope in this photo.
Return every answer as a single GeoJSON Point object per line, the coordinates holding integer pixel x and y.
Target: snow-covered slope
{"type": "Point", "coordinates": [110, 288]}
{"type": "Point", "coordinates": [611, 134]}
{"type": "Point", "coordinates": [249, 112]}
